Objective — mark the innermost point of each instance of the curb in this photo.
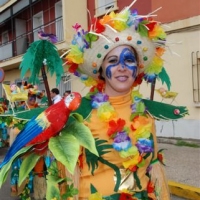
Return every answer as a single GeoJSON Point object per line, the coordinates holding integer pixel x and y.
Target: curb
{"type": "Point", "coordinates": [185, 191]}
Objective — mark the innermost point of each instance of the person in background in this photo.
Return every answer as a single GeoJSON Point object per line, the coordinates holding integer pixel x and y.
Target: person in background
{"type": "Point", "coordinates": [55, 95]}
{"type": "Point", "coordinates": [67, 92]}
{"type": "Point", "coordinates": [32, 103]}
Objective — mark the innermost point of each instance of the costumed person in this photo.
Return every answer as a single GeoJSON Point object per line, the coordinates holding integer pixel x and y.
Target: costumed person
{"type": "Point", "coordinates": [32, 103]}
{"type": "Point", "coordinates": [119, 52]}
{"type": "Point", "coordinates": [55, 95]}
{"type": "Point", "coordinates": [13, 88]}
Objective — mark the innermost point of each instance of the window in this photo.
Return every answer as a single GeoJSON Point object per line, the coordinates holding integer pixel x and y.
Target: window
{"type": "Point", "coordinates": [37, 24]}
{"type": "Point", "coordinates": [104, 6]}
{"type": "Point", "coordinates": [65, 83]}
{"type": "Point", "coordinates": [196, 77]}
{"type": "Point", "coordinates": [5, 37]}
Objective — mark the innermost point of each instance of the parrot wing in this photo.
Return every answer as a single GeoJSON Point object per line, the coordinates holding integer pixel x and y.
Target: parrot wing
{"type": "Point", "coordinates": [30, 131]}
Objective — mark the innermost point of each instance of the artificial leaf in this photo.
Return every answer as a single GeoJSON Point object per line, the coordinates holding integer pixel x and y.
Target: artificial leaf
{"type": "Point", "coordinates": [142, 29]}
{"type": "Point", "coordinates": [83, 134]}
{"type": "Point", "coordinates": [27, 165]}
{"type": "Point", "coordinates": [53, 191]}
{"type": "Point", "coordinates": [65, 149]}
{"type": "Point", "coordinates": [92, 159]}
{"type": "Point", "coordinates": [77, 116]}
{"type": "Point", "coordinates": [38, 52]}
{"type": "Point", "coordinates": [92, 189]}
{"type": "Point", "coordinates": [6, 167]}
{"type": "Point", "coordinates": [140, 107]}
{"type": "Point", "coordinates": [90, 38]}
{"type": "Point", "coordinates": [165, 78]}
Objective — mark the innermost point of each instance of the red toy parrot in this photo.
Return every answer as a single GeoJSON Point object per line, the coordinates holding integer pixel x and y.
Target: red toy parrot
{"type": "Point", "coordinates": [49, 123]}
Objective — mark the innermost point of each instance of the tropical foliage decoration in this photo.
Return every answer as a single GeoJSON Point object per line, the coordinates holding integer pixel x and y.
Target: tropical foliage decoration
{"type": "Point", "coordinates": [41, 52]}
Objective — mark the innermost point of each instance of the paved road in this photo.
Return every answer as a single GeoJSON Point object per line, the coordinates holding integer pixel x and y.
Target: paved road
{"type": "Point", "coordinates": [182, 165]}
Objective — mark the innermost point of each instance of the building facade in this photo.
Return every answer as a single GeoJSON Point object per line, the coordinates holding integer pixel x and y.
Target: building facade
{"type": "Point", "coordinates": [20, 21]}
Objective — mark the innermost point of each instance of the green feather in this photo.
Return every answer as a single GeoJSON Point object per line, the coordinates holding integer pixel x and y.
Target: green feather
{"type": "Point", "coordinates": [165, 78]}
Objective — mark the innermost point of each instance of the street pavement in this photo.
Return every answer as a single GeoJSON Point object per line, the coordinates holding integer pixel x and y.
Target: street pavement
{"type": "Point", "coordinates": [182, 166]}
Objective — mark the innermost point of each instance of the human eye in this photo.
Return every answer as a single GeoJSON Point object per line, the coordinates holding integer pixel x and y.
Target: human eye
{"type": "Point", "coordinates": [113, 60]}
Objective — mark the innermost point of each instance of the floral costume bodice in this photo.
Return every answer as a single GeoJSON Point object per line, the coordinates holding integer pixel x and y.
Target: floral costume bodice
{"type": "Point", "coordinates": [114, 174]}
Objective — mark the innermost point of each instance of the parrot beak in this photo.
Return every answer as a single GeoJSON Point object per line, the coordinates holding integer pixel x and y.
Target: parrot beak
{"type": "Point", "coordinates": [73, 101]}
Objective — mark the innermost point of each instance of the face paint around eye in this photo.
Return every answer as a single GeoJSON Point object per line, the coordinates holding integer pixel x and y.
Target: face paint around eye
{"type": "Point", "coordinates": [126, 59]}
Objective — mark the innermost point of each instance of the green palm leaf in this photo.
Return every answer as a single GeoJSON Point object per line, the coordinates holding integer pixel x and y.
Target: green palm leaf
{"type": "Point", "coordinates": [92, 160]}
{"type": "Point", "coordinates": [33, 60]}
{"type": "Point", "coordinates": [6, 167]}
{"type": "Point", "coordinates": [27, 165]}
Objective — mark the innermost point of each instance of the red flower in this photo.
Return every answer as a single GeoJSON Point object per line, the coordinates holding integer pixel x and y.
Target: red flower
{"type": "Point", "coordinates": [115, 127]}
{"type": "Point", "coordinates": [138, 80]}
{"type": "Point", "coordinates": [73, 67]}
{"type": "Point", "coordinates": [99, 86]}
{"type": "Point", "coordinates": [151, 26]}
{"type": "Point", "coordinates": [150, 187]}
{"type": "Point", "coordinates": [160, 156]}
{"type": "Point", "coordinates": [125, 196]}
{"type": "Point", "coordinates": [97, 26]}
{"type": "Point", "coordinates": [133, 168]}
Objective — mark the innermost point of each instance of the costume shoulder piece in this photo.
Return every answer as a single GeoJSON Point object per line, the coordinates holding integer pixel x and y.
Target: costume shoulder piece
{"type": "Point", "coordinates": [84, 109]}
{"type": "Point", "coordinates": [163, 111]}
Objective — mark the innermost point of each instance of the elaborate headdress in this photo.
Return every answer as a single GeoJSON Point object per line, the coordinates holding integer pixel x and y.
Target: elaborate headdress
{"type": "Point", "coordinates": [145, 35]}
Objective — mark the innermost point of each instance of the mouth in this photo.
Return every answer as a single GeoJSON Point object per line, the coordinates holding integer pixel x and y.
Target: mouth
{"type": "Point", "coordinates": [122, 78]}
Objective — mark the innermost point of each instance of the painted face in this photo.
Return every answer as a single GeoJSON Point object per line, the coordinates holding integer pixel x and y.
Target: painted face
{"type": "Point", "coordinates": [119, 70]}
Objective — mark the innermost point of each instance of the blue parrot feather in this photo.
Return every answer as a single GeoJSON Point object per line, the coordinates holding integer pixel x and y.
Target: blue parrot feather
{"type": "Point", "coordinates": [30, 131]}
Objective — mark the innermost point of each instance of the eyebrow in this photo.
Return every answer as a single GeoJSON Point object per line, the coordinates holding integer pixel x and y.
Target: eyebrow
{"type": "Point", "coordinates": [115, 56]}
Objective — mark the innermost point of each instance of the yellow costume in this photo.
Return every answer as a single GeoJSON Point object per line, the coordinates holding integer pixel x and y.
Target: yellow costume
{"type": "Point", "coordinates": [104, 176]}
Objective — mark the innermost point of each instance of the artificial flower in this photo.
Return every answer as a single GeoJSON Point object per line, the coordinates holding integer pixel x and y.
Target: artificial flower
{"type": "Point", "coordinates": [97, 26]}
{"type": "Point", "coordinates": [107, 19]}
{"type": "Point", "coordinates": [115, 126]}
{"type": "Point", "coordinates": [125, 196]}
{"type": "Point", "coordinates": [98, 99]}
{"type": "Point", "coordinates": [73, 67]}
{"type": "Point", "coordinates": [89, 81]}
{"type": "Point", "coordinates": [150, 187]}
{"type": "Point", "coordinates": [155, 67]}
{"type": "Point", "coordinates": [160, 156]}
{"type": "Point", "coordinates": [130, 152]}
{"type": "Point", "coordinates": [122, 141]}
{"type": "Point", "coordinates": [77, 26]}
{"type": "Point", "coordinates": [95, 196]}
{"type": "Point", "coordinates": [144, 145]}
{"type": "Point", "coordinates": [121, 24]}
{"type": "Point", "coordinates": [142, 131]}
{"type": "Point", "coordinates": [133, 161]}
{"type": "Point", "coordinates": [106, 112]}
{"type": "Point", "coordinates": [75, 55]}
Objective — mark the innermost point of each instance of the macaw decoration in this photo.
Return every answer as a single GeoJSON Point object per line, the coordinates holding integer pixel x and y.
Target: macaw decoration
{"type": "Point", "coordinates": [39, 130]}
{"type": "Point", "coordinates": [47, 36]}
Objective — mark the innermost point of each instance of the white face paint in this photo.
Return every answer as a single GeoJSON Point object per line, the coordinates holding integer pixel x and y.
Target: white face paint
{"type": "Point", "coordinates": [68, 99]}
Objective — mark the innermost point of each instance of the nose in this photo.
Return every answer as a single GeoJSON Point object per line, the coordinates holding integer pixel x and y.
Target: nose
{"type": "Point", "coordinates": [121, 67]}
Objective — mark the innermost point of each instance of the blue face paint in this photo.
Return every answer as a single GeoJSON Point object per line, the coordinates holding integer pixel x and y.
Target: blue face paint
{"type": "Point", "coordinates": [126, 59]}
